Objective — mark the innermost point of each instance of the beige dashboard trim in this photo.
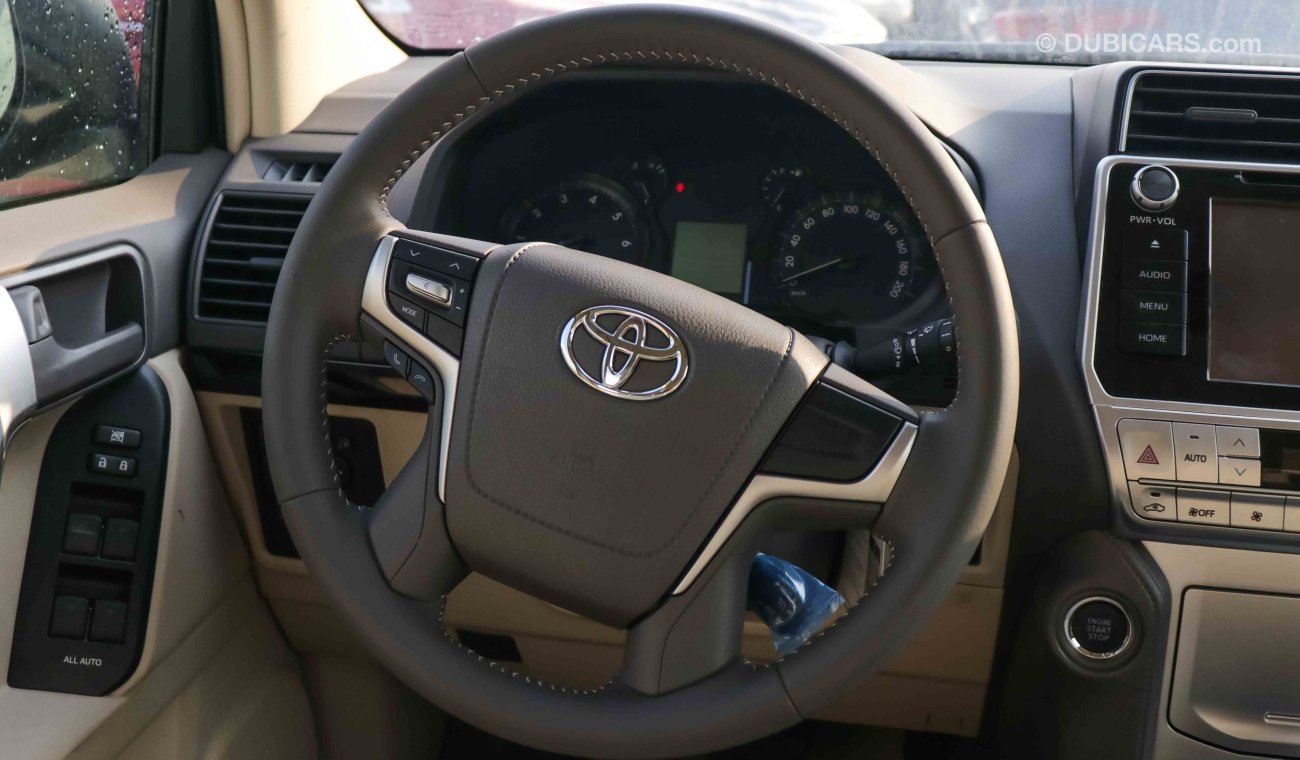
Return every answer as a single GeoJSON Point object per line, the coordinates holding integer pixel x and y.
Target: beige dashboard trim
{"type": "Point", "coordinates": [233, 43]}
{"type": "Point", "coordinates": [200, 555]}
{"type": "Point", "coordinates": [303, 52]}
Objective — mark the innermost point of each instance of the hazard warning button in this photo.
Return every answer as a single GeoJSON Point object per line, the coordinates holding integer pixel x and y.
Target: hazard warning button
{"type": "Point", "coordinates": [1148, 448]}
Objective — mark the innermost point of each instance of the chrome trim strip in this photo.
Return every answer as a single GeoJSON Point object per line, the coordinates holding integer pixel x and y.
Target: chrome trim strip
{"type": "Point", "coordinates": [875, 488]}
{"type": "Point", "coordinates": [17, 380]}
{"type": "Point", "coordinates": [447, 366]}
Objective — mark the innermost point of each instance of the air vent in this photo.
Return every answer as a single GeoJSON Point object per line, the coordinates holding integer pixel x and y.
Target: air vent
{"type": "Point", "coordinates": [247, 240]}
{"type": "Point", "coordinates": [1222, 116]}
{"type": "Point", "coordinates": [296, 170]}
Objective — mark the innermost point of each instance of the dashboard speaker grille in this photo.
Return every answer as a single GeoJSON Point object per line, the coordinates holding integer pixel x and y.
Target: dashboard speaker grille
{"type": "Point", "coordinates": [245, 247]}
{"type": "Point", "coordinates": [1214, 115]}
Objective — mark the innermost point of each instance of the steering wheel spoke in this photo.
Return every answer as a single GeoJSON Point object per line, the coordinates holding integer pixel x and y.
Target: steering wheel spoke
{"type": "Point", "coordinates": [845, 428]}
{"type": "Point", "coordinates": [408, 530]}
{"type": "Point", "coordinates": [417, 290]}
{"type": "Point", "coordinates": [832, 468]}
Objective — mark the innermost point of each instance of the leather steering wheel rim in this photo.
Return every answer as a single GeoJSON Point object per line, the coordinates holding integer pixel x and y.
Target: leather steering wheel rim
{"type": "Point", "coordinates": [930, 524]}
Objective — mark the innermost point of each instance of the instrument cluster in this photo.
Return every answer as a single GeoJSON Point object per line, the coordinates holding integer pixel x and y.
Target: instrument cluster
{"type": "Point", "coordinates": [737, 189]}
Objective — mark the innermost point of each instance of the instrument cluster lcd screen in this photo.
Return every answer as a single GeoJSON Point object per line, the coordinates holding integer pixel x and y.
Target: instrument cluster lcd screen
{"type": "Point", "coordinates": [1254, 292]}
{"type": "Point", "coordinates": [710, 255]}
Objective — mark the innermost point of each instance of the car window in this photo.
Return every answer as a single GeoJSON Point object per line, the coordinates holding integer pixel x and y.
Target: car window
{"type": "Point", "coordinates": [1038, 31]}
{"type": "Point", "coordinates": [72, 95]}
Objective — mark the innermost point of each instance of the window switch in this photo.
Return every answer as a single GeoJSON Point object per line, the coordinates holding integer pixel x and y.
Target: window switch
{"type": "Point", "coordinates": [82, 535]}
{"type": "Point", "coordinates": [108, 622]}
{"type": "Point", "coordinates": [69, 618]}
{"type": "Point", "coordinates": [119, 539]}
{"type": "Point", "coordinates": [120, 437]}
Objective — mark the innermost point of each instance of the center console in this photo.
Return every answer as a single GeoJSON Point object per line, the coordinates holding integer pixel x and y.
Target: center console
{"type": "Point", "coordinates": [1191, 346]}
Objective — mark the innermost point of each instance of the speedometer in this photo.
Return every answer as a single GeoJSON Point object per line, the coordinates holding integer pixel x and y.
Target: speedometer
{"type": "Point", "coordinates": [852, 258]}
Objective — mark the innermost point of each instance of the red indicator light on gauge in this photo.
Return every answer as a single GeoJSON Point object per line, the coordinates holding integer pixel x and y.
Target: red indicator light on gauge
{"type": "Point", "coordinates": [680, 187]}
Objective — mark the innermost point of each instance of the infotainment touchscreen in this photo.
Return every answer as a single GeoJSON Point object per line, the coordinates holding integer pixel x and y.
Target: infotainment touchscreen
{"type": "Point", "coordinates": [1254, 292]}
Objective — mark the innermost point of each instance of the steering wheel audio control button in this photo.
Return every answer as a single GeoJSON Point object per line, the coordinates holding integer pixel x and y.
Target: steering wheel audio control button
{"type": "Point", "coordinates": [397, 358]}
{"type": "Point", "coordinates": [407, 310]}
{"type": "Point", "coordinates": [422, 380]}
{"type": "Point", "coordinates": [1098, 628]}
{"type": "Point", "coordinates": [437, 292]}
{"type": "Point", "coordinates": [444, 262]}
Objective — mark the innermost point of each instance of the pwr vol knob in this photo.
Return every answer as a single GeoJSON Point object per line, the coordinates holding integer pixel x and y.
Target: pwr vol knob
{"type": "Point", "coordinates": [1154, 188]}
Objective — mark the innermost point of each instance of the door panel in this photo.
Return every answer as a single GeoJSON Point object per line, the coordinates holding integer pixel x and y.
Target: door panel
{"type": "Point", "coordinates": [215, 677]}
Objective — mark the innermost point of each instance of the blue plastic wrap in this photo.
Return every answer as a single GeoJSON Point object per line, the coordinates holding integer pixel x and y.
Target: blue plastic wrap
{"type": "Point", "coordinates": [793, 603]}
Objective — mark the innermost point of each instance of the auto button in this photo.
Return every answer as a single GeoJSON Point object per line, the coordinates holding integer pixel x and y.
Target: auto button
{"type": "Point", "coordinates": [1195, 453]}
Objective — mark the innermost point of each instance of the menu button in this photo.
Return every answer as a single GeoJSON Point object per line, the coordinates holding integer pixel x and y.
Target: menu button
{"type": "Point", "coordinates": [1154, 306]}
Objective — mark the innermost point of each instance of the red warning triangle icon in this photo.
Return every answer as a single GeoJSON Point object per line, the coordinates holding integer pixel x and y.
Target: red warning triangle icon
{"type": "Point", "coordinates": [1148, 456]}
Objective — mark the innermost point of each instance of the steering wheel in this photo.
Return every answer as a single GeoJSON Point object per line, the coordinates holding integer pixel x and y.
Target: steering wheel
{"type": "Point", "coordinates": [617, 442]}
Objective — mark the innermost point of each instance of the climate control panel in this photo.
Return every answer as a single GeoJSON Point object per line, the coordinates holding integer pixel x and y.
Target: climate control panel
{"type": "Point", "coordinates": [1224, 475]}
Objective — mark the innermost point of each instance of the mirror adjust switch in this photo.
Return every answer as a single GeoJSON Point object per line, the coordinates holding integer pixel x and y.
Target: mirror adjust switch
{"type": "Point", "coordinates": [122, 438]}
{"type": "Point", "coordinates": [105, 464]}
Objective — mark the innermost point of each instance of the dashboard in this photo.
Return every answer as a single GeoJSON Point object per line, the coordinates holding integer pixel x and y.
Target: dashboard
{"type": "Point", "coordinates": [737, 189]}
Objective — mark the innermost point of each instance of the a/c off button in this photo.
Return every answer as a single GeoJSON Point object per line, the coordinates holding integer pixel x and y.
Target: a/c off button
{"type": "Point", "coordinates": [1204, 507]}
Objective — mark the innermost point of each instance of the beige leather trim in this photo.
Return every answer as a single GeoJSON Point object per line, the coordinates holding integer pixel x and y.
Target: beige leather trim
{"type": "Point", "coordinates": [231, 689]}
{"type": "Point", "coordinates": [399, 435]}
{"type": "Point", "coordinates": [200, 555]}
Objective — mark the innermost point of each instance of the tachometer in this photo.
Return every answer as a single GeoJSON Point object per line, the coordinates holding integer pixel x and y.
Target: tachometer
{"type": "Point", "coordinates": [852, 258]}
{"type": "Point", "coordinates": [590, 213]}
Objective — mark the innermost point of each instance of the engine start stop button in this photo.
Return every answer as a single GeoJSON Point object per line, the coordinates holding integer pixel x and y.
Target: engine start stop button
{"type": "Point", "coordinates": [1098, 628]}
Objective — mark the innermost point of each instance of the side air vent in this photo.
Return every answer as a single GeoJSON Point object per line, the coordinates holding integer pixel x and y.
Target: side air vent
{"type": "Point", "coordinates": [1224, 116]}
{"type": "Point", "coordinates": [246, 244]}
{"type": "Point", "coordinates": [295, 170]}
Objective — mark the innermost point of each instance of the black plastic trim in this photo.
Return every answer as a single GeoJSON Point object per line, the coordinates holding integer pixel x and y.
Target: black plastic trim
{"type": "Point", "coordinates": [38, 661]}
